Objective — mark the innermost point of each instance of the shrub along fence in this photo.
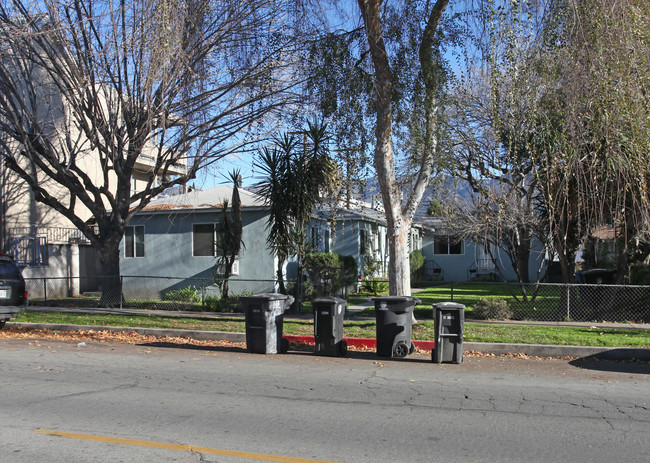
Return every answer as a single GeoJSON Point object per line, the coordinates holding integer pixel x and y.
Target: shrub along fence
{"type": "Point", "coordinates": [539, 302]}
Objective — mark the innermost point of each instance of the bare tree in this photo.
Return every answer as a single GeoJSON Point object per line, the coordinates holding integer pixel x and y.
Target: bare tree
{"type": "Point", "coordinates": [178, 81]}
{"type": "Point", "coordinates": [492, 114]}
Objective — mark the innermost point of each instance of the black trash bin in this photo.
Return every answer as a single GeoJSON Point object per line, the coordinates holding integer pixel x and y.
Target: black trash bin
{"type": "Point", "coordinates": [594, 293]}
{"type": "Point", "coordinates": [596, 276]}
{"type": "Point", "coordinates": [329, 313]}
{"type": "Point", "coordinates": [264, 319]}
{"type": "Point", "coordinates": [394, 316]}
{"type": "Point", "coordinates": [449, 324]}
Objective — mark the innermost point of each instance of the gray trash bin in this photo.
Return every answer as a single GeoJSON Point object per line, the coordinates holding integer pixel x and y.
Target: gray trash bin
{"type": "Point", "coordinates": [329, 313]}
{"type": "Point", "coordinates": [449, 324]}
{"type": "Point", "coordinates": [264, 319]}
{"type": "Point", "coordinates": [394, 317]}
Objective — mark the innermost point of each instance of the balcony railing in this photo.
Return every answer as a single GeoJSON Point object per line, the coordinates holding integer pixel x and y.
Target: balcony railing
{"type": "Point", "coordinates": [52, 235]}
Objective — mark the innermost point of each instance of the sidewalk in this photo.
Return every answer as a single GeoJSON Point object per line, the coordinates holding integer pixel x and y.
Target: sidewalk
{"type": "Point", "coordinates": [537, 350]}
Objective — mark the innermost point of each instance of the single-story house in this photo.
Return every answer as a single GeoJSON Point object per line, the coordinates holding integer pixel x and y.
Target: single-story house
{"type": "Point", "coordinates": [357, 229]}
{"type": "Point", "coordinates": [174, 237]}
{"type": "Point", "coordinates": [450, 259]}
{"type": "Point", "coordinates": [169, 245]}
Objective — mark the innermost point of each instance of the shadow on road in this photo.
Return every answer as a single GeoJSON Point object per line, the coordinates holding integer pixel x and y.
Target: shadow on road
{"type": "Point", "coordinates": [225, 348]}
{"type": "Point", "coordinates": [615, 360]}
{"type": "Point", "coordinates": [294, 350]}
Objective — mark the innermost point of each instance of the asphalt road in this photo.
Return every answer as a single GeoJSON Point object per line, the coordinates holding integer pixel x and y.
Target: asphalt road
{"type": "Point", "coordinates": [143, 403]}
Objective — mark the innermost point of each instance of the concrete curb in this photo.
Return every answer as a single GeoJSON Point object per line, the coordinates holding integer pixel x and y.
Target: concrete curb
{"type": "Point", "coordinates": [536, 350]}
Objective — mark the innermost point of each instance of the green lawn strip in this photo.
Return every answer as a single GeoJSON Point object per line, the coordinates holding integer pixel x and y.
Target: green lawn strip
{"type": "Point", "coordinates": [568, 336]}
{"type": "Point", "coordinates": [424, 330]}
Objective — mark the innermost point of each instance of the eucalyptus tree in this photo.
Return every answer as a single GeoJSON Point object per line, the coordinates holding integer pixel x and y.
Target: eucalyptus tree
{"type": "Point", "coordinates": [418, 49]}
{"type": "Point", "coordinates": [176, 81]}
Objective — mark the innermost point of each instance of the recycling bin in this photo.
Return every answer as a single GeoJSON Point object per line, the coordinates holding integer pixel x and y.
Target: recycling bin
{"type": "Point", "coordinates": [449, 324]}
{"type": "Point", "coordinates": [329, 313]}
{"type": "Point", "coordinates": [264, 319]}
{"type": "Point", "coordinates": [394, 317]}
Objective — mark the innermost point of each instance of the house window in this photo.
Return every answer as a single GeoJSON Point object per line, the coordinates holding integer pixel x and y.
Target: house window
{"type": "Point", "coordinates": [364, 245]}
{"type": "Point", "coordinates": [314, 239]}
{"type": "Point", "coordinates": [203, 240]}
{"type": "Point", "coordinates": [327, 241]}
{"type": "Point", "coordinates": [134, 241]}
{"type": "Point", "coordinates": [320, 239]}
{"type": "Point", "coordinates": [416, 241]}
{"type": "Point", "coordinates": [448, 245]}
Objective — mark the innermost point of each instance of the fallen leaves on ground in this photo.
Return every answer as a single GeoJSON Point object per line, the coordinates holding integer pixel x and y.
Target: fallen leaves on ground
{"type": "Point", "coordinates": [125, 337]}
{"type": "Point", "coordinates": [131, 337]}
{"type": "Point", "coordinates": [515, 355]}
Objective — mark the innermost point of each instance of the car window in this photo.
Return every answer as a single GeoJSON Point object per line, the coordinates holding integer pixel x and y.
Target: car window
{"type": "Point", "coordinates": [9, 270]}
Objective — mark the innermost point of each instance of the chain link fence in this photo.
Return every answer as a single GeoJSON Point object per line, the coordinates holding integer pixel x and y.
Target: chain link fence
{"type": "Point", "coordinates": [557, 302]}
{"type": "Point", "coordinates": [159, 293]}
{"type": "Point", "coordinates": [535, 302]}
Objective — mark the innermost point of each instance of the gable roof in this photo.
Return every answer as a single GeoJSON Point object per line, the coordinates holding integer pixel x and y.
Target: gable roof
{"type": "Point", "coordinates": [212, 198]}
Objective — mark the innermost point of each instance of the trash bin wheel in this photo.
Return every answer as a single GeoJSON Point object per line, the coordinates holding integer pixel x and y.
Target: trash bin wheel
{"type": "Point", "coordinates": [284, 346]}
{"type": "Point", "coordinates": [343, 347]}
{"type": "Point", "coordinates": [412, 349]}
{"type": "Point", "coordinates": [401, 349]}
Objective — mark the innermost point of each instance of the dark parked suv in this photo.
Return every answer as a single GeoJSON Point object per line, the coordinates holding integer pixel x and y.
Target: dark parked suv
{"type": "Point", "coordinates": [13, 296]}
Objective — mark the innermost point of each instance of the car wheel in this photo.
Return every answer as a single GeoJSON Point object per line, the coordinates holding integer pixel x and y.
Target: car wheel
{"type": "Point", "coordinates": [2, 323]}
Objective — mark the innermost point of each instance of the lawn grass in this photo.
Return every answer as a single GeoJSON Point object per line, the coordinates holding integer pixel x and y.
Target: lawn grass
{"type": "Point", "coordinates": [474, 332]}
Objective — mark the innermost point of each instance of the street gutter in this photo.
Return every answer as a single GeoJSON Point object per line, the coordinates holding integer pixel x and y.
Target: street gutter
{"type": "Point", "coordinates": [535, 350]}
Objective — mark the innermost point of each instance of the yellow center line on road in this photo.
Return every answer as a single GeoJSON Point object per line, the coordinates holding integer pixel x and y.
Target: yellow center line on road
{"type": "Point", "coordinates": [185, 448]}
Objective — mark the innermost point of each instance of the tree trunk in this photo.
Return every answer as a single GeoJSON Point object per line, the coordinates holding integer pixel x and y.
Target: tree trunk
{"type": "Point", "coordinates": [399, 269]}
{"type": "Point", "coordinates": [111, 279]}
{"type": "Point", "coordinates": [399, 281]}
{"type": "Point", "coordinates": [280, 276]}
{"type": "Point", "coordinates": [522, 254]}
{"type": "Point", "coordinates": [398, 216]}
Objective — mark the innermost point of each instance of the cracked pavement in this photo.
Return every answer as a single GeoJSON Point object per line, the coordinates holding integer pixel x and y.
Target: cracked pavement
{"type": "Point", "coordinates": [356, 409]}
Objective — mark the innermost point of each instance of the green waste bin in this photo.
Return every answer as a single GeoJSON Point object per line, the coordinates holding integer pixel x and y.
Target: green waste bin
{"type": "Point", "coordinates": [449, 324]}
{"type": "Point", "coordinates": [264, 320]}
{"type": "Point", "coordinates": [394, 320]}
{"type": "Point", "coordinates": [329, 313]}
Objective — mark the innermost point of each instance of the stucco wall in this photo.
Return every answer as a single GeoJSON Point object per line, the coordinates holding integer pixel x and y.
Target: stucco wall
{"type": "Point", "coordinates": [71, 269]}
{"type": "Point", "coordinates": [168, 253]}
{"type": "Point", "coordinates": [455, 266]}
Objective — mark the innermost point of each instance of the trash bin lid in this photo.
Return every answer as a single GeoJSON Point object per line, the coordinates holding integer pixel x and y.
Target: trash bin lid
{"type": "Point", "coordinates": [267, 299]}
{"type": "Point", "coordinates": [328, 301]}
{"type": "Point", "coordinates": [396, 303]}
{"type": "Point", "coordinates": [397, 299]}
{"type": "Point", "coordinates": [268, 296]}
{"type": "Point", "coordinates": [449, 305]}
